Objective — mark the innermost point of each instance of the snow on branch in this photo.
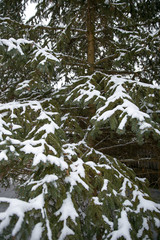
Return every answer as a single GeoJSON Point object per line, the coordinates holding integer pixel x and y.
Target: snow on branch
{"type": "Point", "coordinates": [18, 208]}
{"type": "Point", "coordinates": [17, 44]}
{"type": "Point", "coordinates": [85, 91]}
{"type": "Point", "coordinates": [67, 210]}
{"type": "Point", "coordinates": [38, 130]}
{"type": "Point", "coordinates": [120, 107]}
{"type": "Point", "coordinates": [115, 194]}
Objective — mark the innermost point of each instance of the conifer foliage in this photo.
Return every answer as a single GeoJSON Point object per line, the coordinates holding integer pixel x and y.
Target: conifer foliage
{"type": "Point", "coordinates": [66, 187]}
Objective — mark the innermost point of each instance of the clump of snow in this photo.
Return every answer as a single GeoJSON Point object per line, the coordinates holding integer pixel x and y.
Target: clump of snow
{"type": "Point", "coordinates": [126, 183]}
{"type": "Point", "coordinates": [108, 221]}
{"type": "Point", "coordinates": [3, 155]}
{"type": "Point", "coordinates": [17, 44]}
{"type": "Point", "coordinates": [76, 174]}
{"type": "Point", "coordinates": [144, 226]}
{"type": "Point", "coordinates": [45, 53]}
{"type": "Point", "coordinates": [96, 201]}
{"type": "Point", "coordinates": [37, 232]}
{"type": "Point", "coordinates": [104, 188]}
{"type": "Point", "coordinates": [67, 210]}
{"type": "Point", "coordinates": [157, 222]}
{"type": "Point", "coordinates": [93, 165]}
{"type": "Point", "coordinates": [124, 228]}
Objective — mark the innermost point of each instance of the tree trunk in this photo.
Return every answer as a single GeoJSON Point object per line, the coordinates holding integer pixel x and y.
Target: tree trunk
{"type": "Point", "coordinates": [90, 36]}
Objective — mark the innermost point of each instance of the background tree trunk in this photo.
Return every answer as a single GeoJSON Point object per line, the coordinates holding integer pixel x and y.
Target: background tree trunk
{"type": "Point", "coordinates": [90, 36]}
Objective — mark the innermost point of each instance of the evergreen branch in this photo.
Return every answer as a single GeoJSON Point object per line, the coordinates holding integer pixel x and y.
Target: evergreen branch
{"type": "Point", "coordinates": [130, 26]}
{"type": "Point", "coordinates": [67, 57]}
{"type": "Point", "coordinates": [114, 72]}
{"type": "Point", "coordinates": [106, 58]}
{"type": "Point", "coordinates": [139, 24]}
{"type": "Point", "coordinates": [118, 145]}
{"type": "Point", "coordinates": [38, 27]}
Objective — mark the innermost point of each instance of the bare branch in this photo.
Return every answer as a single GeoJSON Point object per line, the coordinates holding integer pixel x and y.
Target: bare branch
{"type": "Point", "coordinates": [67, 57]}
{"type": "Point", "coordinates": [106, 58]}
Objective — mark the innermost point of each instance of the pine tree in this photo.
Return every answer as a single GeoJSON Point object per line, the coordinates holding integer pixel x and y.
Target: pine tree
{"type": "Point", "coordinates": [112, 36]}
{"type": "Point", "coordinates": [56, 143]}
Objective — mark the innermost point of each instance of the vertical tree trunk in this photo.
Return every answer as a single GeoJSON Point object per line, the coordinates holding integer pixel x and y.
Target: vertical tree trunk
{"type": "Point", "coordinates": [90, 35]}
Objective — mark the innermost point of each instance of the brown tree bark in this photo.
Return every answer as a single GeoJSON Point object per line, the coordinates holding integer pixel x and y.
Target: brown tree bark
{"type": "Point", "coordinates": [90, 35]}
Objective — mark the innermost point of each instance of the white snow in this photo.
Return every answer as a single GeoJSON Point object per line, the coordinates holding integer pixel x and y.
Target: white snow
{"type": "Point", "coordinates": [106, 166]}
{"type": "Point", "coordinates": [86, 92]}
{"type": "Point", "coordinates": [123, 122]}
{"type": "Point", "coordinates": [127, 203]}
{"type": "Point", "coordinates": [120, 104]}
{"type": "Point", "coordinates": [144, 204]}
{"type": "Point", "coordinates": [127, 107]}
{"type": "Point", "coordinates": [37, 232]}
{"type": "Point", "coordinates": [104, 188]}
{"type": "Point", "coordinates": [144, 226]}
{"type": "Point", "coordinates": [78, 167]}
{"type": "Point", "coordinates": [46, 53]}
{"type": "Point", "coordinates": [67, 210]}
{"type": "Point", "coordinates": [157, 222]}
{"type": "Point", "coordinates": [47, 179]}
{"type": "Point", "coordinates": [30, 146]}
{"type": "Point", "coordinates": [12, 43]}
{"type": "Point", "coordinates": [57, 161]}
{"type": "Point", "coordinates": [93, 165]}
{"type": "Point", "coordinates": [18, 208]}
{"type": "Point", "coordinates": [3, 155]}
{"type": "Point", "coordinates": [126, 183]}
{"type": "Point", "coordinates": [16, 126]}
{"type": "Point", "coordinates": [73, 179]}
{"type": "Point", "coordinates": [69, 150]}
{"type": "Point", "coordinates": [96, 201]}
{"type": "Point", "coordinates": [123, 228]}
{"type": "Point", "coordinates": [12, 148]}
{"type": "Point", "coordinates": [108, 221]}
{"type": "Point", "coordinates": [39, 51]}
